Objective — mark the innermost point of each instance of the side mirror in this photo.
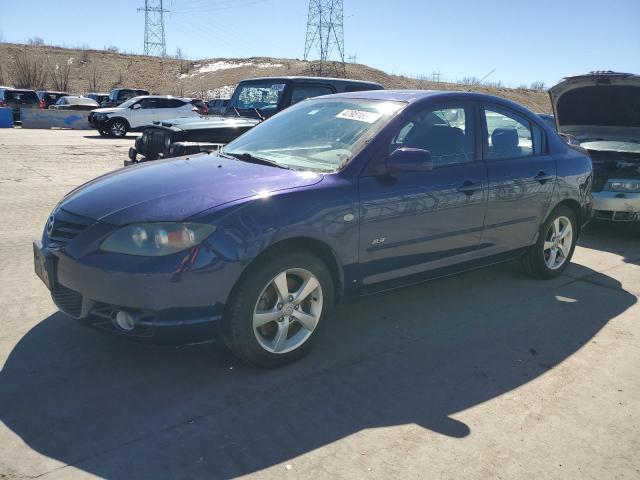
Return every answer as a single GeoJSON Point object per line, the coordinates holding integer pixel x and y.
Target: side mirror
{"type": "Point", "coordinates": [136, 106]}
{"type": "Point", "coordinates": [406, 159]}
{"type": "Point", "coordinates": [570, 139]}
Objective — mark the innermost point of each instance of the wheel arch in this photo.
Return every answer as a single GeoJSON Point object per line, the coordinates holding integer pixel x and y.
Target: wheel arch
{"type": "Point", "coordinates": [307, 245]}
{"type": "Point", "coordinates": [126, 122]}
{"type": "Point", "coordinates": [575, 206]}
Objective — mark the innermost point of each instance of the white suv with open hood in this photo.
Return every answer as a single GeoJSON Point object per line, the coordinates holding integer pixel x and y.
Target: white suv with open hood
{"type": "Point", "coordinates": [602, 110]}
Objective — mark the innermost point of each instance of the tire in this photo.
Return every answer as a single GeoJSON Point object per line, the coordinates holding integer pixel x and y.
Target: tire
{"type": "Point", "coordinates": [117, 128]}
{"type": "Point", "coordinates": [266, 330]}
{"type": "Point", "coordinates": [552, 253]}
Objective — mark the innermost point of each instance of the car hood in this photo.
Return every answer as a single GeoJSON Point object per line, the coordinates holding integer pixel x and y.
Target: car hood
{"type": "Point", "coordinates": [176, 189]}
{"type": "Point", "coordinates": [204, 122]}
{"type": "Point", "coordinates": [601, 110]}
{"type": "Point", "coordinates": [108, 110]}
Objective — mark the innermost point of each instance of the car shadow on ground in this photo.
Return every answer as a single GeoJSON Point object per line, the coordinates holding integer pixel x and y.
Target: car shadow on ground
{"type": "Point", "coordinates": [100, 137]}
{"type": "Point", "coordinates": [118, 409]}
{"type": "Point", "coordinates": [619, 238]}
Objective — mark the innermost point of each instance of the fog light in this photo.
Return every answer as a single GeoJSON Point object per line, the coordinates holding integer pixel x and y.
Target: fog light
{"type": "Point", "coordinates": [125, 321]}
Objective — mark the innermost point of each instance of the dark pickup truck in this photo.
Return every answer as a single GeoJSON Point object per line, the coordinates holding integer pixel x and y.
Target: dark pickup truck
{"type": "Point", "coordinates": [253, 101]}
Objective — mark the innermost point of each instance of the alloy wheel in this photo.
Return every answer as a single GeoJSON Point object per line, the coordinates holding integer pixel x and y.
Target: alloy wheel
{"type": "Point", "coordinates": [558, 242]}
{"type": "Point", "coordinates": [287, 311]}
{"type": "Point", "coordinates": [118, 129]}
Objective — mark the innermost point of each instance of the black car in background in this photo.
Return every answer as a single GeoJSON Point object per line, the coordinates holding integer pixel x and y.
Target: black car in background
{"type": "Point", "coordinates": [98, 97]}
{"type": "Point", "coordinates": [48, 98]}
{"type": "Point", "coordinates": [217, 106]}
{"type": "Point", "coordinates": [16, 99]}
{"type": "Point", "coordinates": [121, 95]}
{"type": "Point", "coordinates": [253, 101]}
{"type": "Point", "coordinates": [75, 102]}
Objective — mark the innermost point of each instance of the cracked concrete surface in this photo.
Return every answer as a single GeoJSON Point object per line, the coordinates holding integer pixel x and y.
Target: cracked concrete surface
{"type": "Point", "coordinates": [489, 374]}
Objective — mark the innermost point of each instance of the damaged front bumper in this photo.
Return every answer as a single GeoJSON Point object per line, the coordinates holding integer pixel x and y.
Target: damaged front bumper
{"type": "Point", "coordinates": [616, 206]}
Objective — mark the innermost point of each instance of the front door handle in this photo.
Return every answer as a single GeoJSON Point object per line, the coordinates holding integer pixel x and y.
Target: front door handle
{"type": "Point", "coordinates": [468, 188]}
{"type": "Point", "coordinates": [542, 177]}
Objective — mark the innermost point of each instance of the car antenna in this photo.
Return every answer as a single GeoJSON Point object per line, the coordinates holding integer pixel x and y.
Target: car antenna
{"type": "Point", "coordinates": [483, 78]}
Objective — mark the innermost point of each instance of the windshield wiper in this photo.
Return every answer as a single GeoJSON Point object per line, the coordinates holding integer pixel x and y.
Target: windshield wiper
{"type": "Point", "coordinates": [237, 112]}
{"type": "Point", "coordinates": [247, 157]}
{"type": "Point", "coordinates": [260, 116]}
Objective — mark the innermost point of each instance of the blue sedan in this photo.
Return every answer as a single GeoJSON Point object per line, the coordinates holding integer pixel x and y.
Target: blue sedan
{"type": "Point", "coordinates": [342, 195]}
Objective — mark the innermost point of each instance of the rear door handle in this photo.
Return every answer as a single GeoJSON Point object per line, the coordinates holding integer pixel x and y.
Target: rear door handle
{"type": "Point", "coordinates": [542, 177]}
{"type": "Point", "coordinates": [468, 188]}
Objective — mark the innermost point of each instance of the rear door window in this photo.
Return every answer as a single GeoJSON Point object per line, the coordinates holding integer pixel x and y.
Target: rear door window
{"type": "Point", "coordinates": [509, 135]}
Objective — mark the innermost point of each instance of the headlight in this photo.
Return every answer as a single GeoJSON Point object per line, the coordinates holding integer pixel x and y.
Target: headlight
{"type": "Point", "coordinates": [630, 186]}
{"type": "Point", "coordinates": [156, 239]}
{"type": "Point", "coordinates": [167, 142]}
{"type": "Point", "coordinates": [145, 138]}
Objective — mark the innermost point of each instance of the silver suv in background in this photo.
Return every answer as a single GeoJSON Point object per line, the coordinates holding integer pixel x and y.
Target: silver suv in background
{"type": "Point", "coordinates": [602, 110]}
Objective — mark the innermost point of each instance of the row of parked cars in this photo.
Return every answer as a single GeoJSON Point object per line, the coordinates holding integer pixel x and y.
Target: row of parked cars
{"type": "Point", "coordinates": [45, 99]}
{"type": "Point", "coordinates": [347, 189]}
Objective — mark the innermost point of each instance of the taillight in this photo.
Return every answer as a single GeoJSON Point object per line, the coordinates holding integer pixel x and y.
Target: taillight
{"type": "Point", "coordinates": [42, 104]}
{"type": "Point", "coordinates": [195, 109]}
{"type": "Point", "coordinates": [3, 103]}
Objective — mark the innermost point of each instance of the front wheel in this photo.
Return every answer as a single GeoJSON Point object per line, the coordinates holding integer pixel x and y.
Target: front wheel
{"type": "Point", "coordinates": [275, 313]}
{"type": "Point", "coordinates": [117, 128]}
{"type": "Point", "coordinates": [552, 253]}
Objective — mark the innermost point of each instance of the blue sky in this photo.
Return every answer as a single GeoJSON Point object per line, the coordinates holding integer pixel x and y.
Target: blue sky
{"type": "Point", "coordinates": [524, 40]}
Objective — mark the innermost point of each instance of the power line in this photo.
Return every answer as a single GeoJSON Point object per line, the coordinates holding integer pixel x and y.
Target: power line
{"type": "Point", "coordinates": [325, 33]}
{"type": "Point", "coordinates": [154, 40]}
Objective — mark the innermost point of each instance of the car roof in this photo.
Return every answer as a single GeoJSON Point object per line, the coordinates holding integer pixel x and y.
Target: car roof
{"type": "Point", "coordinates": [305, 79]}
{"type": "Point", "coordinates": [184, 99]}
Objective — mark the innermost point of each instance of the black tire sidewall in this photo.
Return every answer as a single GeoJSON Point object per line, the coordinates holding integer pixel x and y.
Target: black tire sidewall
{"type": "Point", "coordinates": [538, 251]}
{"type": "Point", "coordinates": [238, 318]}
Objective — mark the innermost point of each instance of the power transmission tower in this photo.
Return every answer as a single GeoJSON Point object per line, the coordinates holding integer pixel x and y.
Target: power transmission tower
{"type": "Point", "coordinates": [325, 33]}
{"type": "Point", "coordinates": [154, 42]}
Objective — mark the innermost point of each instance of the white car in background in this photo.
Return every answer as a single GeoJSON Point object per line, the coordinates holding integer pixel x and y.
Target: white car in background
{"type": "Point", "coordinates": [138, 112]}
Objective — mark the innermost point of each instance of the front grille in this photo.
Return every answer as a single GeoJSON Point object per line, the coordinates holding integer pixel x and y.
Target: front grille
{"type": "Point", "coordinates": [66, 226]}
{"type": "Point", "coordinates": [68, 301]}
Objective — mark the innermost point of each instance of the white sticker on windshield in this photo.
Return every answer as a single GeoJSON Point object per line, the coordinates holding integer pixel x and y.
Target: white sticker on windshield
{"type": "Point", "coordinates": [278, 87]}
{"type": "Point", "coordinates": [359, 115]}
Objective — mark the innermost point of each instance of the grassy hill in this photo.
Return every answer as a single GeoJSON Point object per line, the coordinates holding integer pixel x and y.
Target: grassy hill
{"type": "Point", "coordinates": [98, 70]}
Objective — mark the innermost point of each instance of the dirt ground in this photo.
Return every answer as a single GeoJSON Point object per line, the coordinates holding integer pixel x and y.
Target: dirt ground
{"type": "Point", "coordinates": [490, 374]}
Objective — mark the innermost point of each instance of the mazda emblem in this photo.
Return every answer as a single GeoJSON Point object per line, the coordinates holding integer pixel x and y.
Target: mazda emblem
{"type": "Point", "coordinates": [50, 223]}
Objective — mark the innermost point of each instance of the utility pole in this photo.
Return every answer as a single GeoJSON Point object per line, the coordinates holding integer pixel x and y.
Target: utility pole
{"type": "Point", "coordinates": [325, 35]}
{"type": "Point", "coordinates": [154, 41]}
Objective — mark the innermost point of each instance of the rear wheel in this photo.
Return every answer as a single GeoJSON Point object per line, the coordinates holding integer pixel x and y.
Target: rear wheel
{"type": "Point", "coordinates": [275, 313]}
{"type": "Point", "coordinates": [552, 253]}
{"type": "Point", "coordinates": [117, 128]}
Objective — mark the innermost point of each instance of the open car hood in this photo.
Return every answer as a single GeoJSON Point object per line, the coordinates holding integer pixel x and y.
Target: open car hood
{"type": "Point", "coordinates": [601, 109]}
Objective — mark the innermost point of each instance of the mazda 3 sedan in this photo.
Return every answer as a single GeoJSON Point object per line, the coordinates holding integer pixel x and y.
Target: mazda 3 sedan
{"type": "Point", "coordinates": [341, 195]}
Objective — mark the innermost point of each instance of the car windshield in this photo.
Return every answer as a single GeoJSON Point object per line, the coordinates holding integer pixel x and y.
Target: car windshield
{"type": "Point", "coordinates": [318, 135]}
{"type": "Point", "coordinates": [264, 96]}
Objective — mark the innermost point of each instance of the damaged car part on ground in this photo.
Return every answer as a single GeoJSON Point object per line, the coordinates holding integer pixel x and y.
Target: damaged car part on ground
{"type": "Point", "coordinates": [252, 101]}
{"type": "Point", "coordinates": [349, 194]}
{"type": "Point", "coordinates": [602, 111]}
